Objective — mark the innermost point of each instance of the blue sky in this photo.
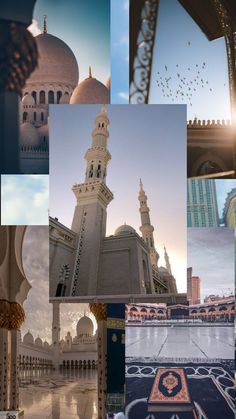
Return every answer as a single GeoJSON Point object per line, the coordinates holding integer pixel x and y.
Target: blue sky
{"type": "Point", "coordinates": [24, 199]}
{"type": "Point", "coordinates": [223, 187]}
{"type": "Point", "coordinates": [180, 42]}
{"type": "Point", "coordinates": [85, 27]}
{"type": "Point", "coordinates": [211, 254]}
{"type": "Point", "coordinates": [145, 141]}
{"type": "Point", "coordinates": [120, 51]}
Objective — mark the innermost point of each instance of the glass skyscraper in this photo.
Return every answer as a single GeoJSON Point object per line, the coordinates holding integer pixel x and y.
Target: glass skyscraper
{"type": "Point", "coordinates": [202, 208]}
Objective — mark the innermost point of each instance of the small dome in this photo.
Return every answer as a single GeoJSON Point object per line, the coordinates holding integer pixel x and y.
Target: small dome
{"type": "Point", "coordinates": [90, 90]}
{"type": "Point", "coordinates": [124, 230]}
{"type": "Point", "coordinates": [28, 339]}
{"type": "Point", "coordinates": [65, 99]}
{"type": "Point", "coordinates": [29, 135]}
{"type": "Point", "coordinates": [28, 100]}
{"type": "Point", "coordinates": [46, 344]}
{"type": "Point", "coordinates": [43, 132]}
{"type": "Point", "coordinates": [38, 341]}
{"type": "Point", "coordinates": [57, 63]}
{"type": "Point", "coordinates": [85, 326]}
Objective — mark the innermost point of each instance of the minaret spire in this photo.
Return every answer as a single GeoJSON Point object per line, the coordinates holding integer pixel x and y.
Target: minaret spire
{"type": "Point", "coordinates": [90, 72]}
{"type": "Point", "coordinates": [44, 23]}
{"type": "Point", "coordinates": [146, 227]}
{"type": "Point", "coordinates": [167, 260]}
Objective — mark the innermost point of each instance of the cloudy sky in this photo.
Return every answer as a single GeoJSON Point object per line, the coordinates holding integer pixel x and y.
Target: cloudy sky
{"type": "Point", "coordinates": [182, 48]}
{"type": "Point", "coordinates": [211, 255]}
{"type": "Point", "coordinates": [120, 51]}
{"type": "Point", "coordinates": [37, 308]}
{"type": "Point", "coordinates": [147, 142]}
{"type": "Point", "coordinates": [24, 199]}
{"type": "Point", "coordinates": [84, 26]}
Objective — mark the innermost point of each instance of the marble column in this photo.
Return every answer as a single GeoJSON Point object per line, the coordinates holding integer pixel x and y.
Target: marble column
{"type": "Point", "coordinates": [14, 288]}
{"type": "Point", "coordinates": [100, 313]}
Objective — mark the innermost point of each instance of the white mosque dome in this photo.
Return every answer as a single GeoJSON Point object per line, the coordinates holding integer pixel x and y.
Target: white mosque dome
{"type": "Point", "coordinates": [29, 135]}
{"type": "Point", "coordinates": [85, 326]}
{"type": "Point", "coordinates": [28, 100]}
{"type": "Point", "coordinates": [124, 230]}
{"type": "Point", "coordinates": [57, 63]}
{"type": "Point", "coordinates": [38, 342]}
{"type": "Point", "coordinates": [90, 90]}
{"type": "Point", "coordinates": [28, 339]}
{"type": "Point", "coordinates": [65, 99]}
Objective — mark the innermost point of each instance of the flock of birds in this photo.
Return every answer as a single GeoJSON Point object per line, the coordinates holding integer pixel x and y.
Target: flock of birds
{"type": "Point", "coordinates": [182, 85]}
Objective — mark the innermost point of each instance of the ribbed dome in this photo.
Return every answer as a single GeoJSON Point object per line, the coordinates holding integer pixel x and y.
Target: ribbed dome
{"type": "Point", "coordinates": [85, 326]}
{"type": "Point", "coordinates": [29, 135]}
{"type": "Point", "coordinates": [57, 63]}
{"type": "Point", "coordinates": [38, 341]}
{"type": "Point", "coordinates": [64, 99]}
{"type": "Point", "coordinates": [124, 230]}
{"type": "Point", "coordinates": [28, 100]}
{"type": "Point", "coordinates": [28, 339]}
{"type": "Point", "coordinates": [46, 344]}
{"type": "Point", "coordinates": [90, 91]}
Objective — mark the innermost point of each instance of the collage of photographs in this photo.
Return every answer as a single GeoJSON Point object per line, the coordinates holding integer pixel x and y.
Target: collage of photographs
{"type": "Point", "coordinates": [117, 235]}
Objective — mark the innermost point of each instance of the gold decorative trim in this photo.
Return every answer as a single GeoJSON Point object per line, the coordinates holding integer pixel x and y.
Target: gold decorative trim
{"type": "Point", "coordinates": [99, 310]}
{"type": "Point", "coordinates": [113, 323]}
{"type": "Point", "coordinates": [12, 315]}
{"type": "Point", "coordinates": [18, 56]}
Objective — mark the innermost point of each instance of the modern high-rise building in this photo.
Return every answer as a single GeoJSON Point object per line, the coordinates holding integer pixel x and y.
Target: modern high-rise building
{"type": "Point", "coordinates": [193, 288]}
{"type": "Point", "coordinates": [202, 208]}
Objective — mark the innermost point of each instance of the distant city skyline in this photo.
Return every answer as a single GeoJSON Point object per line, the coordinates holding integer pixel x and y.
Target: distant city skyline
{"type": "Point", "coordinates": [211, 254]}
{"type": "Point", "coordinates": [182, 48]}
{"type": "Point", "coordinates": [141, 144]}
{"type": "Point", "coordinates": [84, 27]}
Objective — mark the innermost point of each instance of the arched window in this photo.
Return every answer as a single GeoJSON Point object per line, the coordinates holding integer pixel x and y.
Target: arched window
{"type": "Point", "coordinates": [42, 97]}
{"type": "Point", "coordinates": [42, 116]}
{"type": "Point", "coordinates": [35, 116]}
{"type": "Point", "coordinates": [25, 116]}
{"type": "Point", "coordinates": [59, 95]}
{"type": "Point", "coordinates": [50, 96]}
{"type": "Point", "coordinates": [34, 95]}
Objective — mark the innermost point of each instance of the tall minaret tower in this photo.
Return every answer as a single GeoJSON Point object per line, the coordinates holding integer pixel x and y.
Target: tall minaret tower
{"type": "Point", "coordinates": [167, 260]}
{"type": "Point", "coordinates": [89, 222]}
{"type": "Point", "coordinates": [146, 227]}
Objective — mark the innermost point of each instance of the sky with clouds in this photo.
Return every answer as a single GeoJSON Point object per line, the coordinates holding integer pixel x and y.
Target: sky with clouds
{"type": "Point", "coordinates": [84, 26]}
{"type": "Point", "coordinates": [38, 310]}
{"type": "Point", "coordinates": [147, 142]}
{"type": "Point", "coordinates": [24, 199]}
{"type": "Point", "coordinates": [120, 51]}
{"type": "Point", "coordinates": [211, 254]}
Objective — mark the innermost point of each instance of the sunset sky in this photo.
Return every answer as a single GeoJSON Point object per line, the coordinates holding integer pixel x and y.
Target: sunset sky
{"type": "Point", "coordinates": [145, 142]}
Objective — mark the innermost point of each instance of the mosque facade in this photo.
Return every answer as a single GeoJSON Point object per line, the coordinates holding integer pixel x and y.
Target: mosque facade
{"type": "Point", "coordinates": [51, 83]}
{"type": "Point", "coordinates": [79, 352]}
{"type": "Point", "coordinates": [84, 262]}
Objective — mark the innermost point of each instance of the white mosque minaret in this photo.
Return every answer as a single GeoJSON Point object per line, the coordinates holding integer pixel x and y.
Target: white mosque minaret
{"type": "Point", "coordinates": [54, 81]}
{"type": "Point", "coordinates": [84, 262]}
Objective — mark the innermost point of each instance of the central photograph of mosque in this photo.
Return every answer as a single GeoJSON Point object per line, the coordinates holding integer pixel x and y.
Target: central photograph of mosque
{"type": "Point", "coordinates": [117, 203]}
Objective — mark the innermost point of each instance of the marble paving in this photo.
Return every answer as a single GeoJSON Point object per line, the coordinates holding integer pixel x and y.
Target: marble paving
{"type": "Point", "coordinates": [209, 342]}
{"type": "Point", "coordinates": [69, 394]}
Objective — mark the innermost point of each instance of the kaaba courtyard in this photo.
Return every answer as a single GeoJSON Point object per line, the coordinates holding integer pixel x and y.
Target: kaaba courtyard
{"type": "Point", "coordinates": [179, 370]}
